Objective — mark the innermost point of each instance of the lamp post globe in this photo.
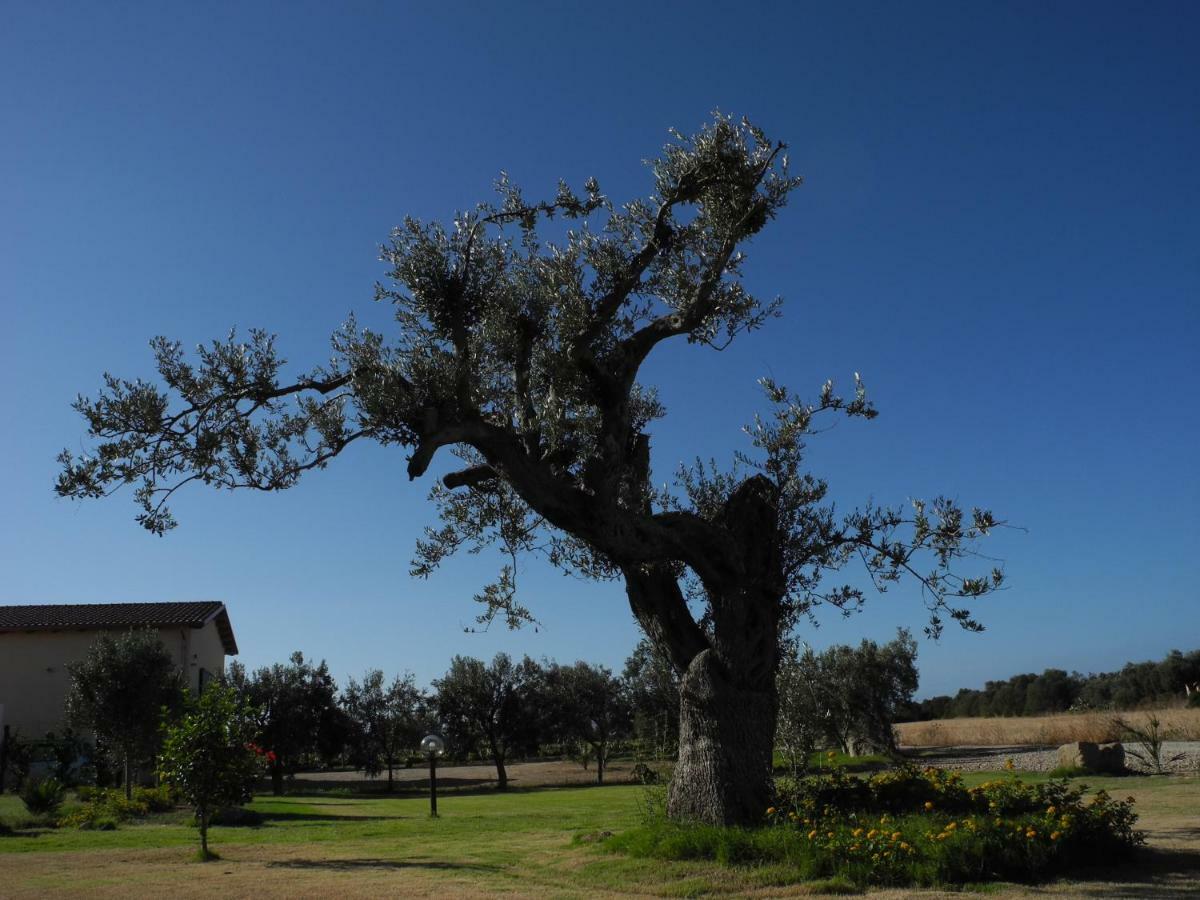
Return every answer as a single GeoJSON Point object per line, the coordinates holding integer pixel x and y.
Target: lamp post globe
{"type": "Point", "coordinates": [433, 745]}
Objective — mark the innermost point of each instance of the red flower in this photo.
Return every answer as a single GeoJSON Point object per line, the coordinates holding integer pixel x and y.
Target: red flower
{"type": "Point", "coordinates": [271, 756]}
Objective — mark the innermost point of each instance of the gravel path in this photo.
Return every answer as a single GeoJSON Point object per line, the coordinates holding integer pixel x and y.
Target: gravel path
{"type": "Point", "coordinates": [1180, 757]}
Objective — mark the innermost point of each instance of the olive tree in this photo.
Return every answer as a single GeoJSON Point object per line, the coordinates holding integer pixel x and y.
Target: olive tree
{"type": "Point", "coordinates": [386, 721]}
{"type": "Point", "coordinates": [495, 709]}
{"type": "Point", "coordinates": [587, 705]}
{"type": "Point", "coordinates": [296, 702]}
{"type": "Point", "coordinates": [518, 346]}
{"type": "Point", "coordinates": [119, 691]}
{"type": "Point", "coordinates": [848, 697]}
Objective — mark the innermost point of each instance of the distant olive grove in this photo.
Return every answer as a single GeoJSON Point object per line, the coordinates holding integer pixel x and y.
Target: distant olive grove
{"type": "Point", "coordinates": [1175, 679]}
{"type": "Point", "coordinates": [494, 712]}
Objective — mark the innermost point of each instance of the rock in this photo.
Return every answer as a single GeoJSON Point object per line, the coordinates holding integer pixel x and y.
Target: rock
{"type": "Point", "coordinates": [1097, 758]}
{"type": "Point", "coordinates": [1112, 758]}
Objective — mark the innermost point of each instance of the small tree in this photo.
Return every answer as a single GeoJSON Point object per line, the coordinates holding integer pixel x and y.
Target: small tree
{"type": "Point", "coordinates": [850, 696]}
{"type": "Point", "coordinates": [295, 702]}
{"type": "Point", "coordinates": [386, 719]}
{"type": "Point", "coordinates": [587, 705]}
{"type": "Point", "coordinates": [209, 755]}
{"type": "Point", "coordinates": [652, 691]}
{"type": "Point", "coordinates": [118, 691]}
{"type": "Point", "coordinates": [493, 708]}
{"type": "Point", "coordinates": [800, 725]}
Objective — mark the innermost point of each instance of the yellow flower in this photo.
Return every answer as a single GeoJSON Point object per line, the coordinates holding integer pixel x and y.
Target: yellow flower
{"type": "Point", "coordinates": [904, 845]}
{"type": "Point", "coordinates": [770, 810]}
{"type": "Point", "coordinates": [830, 755]}
{"type": "Point", "coordinates": [872, 833]}
{"type": "Point", "coordinates": [942, 836]}
{"type": "Point", "coordinates": [928, 805]}
{"type": "Point", "coordinates": [853, 848]}
{"type": "Point", "coordinates": [951, 826]}
{"type": "Point", "coordinates": [1050, 810]}
{"type": "Point", "coordinates": [896, 835]}
{"type": "Point", "coordinates": [812, 834]}
{"type": "Point", "coordinates": [1009, 764]}
{"type": "Point", "coordinates": [829, 835]}
{"type": "Point", "coordinates": [857, 832]}
{"type": "Point", "coordinates": [1031, 833]}
{"type": "Point", "coordinates": [1054, 835]}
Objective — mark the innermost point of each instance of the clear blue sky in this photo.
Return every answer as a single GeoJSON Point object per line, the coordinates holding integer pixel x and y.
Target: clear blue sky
{"type": "Point", "coordinates": [1000, 229]}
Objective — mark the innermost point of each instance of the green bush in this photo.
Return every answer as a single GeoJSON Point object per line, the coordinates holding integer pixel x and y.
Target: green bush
{"type": "Point", "coordinates": [157, 799]}
{"type": "Point", "coordinates": [92, 817]}
{"type": "Point", "coordinates": [105, 808]}
{"type": "Point", "coordinates": [910, 827]}
{"type": "Point", "coordinates": [42, 796]}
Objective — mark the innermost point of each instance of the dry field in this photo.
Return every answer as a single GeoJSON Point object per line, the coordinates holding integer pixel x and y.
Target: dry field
{"type": "Point", "coordinates": [1177, 725]}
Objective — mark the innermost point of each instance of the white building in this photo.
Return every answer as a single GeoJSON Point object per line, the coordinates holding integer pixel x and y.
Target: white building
{"type": "Point", "coordinates": [38, 642]}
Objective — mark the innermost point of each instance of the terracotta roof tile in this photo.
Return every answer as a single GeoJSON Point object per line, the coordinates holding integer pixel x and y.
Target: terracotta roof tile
{"type": "Point", "coordinates": [110, 616]}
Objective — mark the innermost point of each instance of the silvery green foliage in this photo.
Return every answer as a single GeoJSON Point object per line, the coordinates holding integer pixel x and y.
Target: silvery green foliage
{"type": "Point", "coordinates": [844, 697]}
{"type": "Point", "coordinates": [521, 327]}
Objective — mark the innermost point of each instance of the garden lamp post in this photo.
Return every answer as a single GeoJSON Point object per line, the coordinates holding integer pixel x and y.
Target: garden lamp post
{"type": "Point", "coordinates": [434, 746]}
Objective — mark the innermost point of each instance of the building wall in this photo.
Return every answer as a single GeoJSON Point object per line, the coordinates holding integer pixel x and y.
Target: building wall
{"type": "Point", "coordinates": [34, 678]}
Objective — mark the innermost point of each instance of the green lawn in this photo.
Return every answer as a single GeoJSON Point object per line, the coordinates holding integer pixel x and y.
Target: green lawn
{"type": "Point", "coordinates": [523, 843]}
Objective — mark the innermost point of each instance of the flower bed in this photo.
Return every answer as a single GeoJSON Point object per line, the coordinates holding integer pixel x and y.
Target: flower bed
{"type": "Point", "coordinates": [910, 827]}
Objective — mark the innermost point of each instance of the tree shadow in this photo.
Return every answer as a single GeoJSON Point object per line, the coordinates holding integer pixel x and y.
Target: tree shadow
{"type": "Point", "coordinates": [285, 816]}
{"type": "Point", "coordinates": [1164, 874]}
{"type": "Point", "coordinates": [351, 865]}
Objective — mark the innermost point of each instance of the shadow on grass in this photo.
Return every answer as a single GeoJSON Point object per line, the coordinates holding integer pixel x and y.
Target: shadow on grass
{"type": "Point", "coordinates": [351, 865]}
{"type": "Point", "coordinates": [1155, 873]}
{"type": "Point", "coordinates": [283, 816]}
{"type": "Point", "coordinates": [315, 790]}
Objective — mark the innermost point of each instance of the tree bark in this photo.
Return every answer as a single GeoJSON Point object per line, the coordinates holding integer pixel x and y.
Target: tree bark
{"type": "Point", "coordinates": [726, 738]}
{"type": "Point", "coordinates": [501, 774]}
{"type": "Point", "coordinates": [128, 778]}
{"type": "Point", "coordinates": [728, 700]}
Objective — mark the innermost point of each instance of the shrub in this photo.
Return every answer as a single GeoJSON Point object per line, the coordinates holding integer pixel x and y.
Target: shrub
{"type": "Point", "coordinates": [159, 799]}
{"type": "Point", "coordinates": [911, 827]}
{"type": "Point", "coordinates": [42, 796]}
{"type": "Point", "coordinates": [105, 808]}
{"type": "Point", "coordinates": [643, 774]}
{"type": "Point", "coordinates": [95, 816]}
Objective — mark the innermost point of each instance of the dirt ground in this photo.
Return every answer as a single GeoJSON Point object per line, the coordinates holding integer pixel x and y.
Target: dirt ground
{"type": "Point", "coordinates": [541, 773]}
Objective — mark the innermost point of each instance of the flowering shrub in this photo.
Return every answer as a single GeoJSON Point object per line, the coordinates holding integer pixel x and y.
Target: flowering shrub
{"type": "Point", "coordinates": [911, 826]}
{"type": "Point", "coordinates": [105, 808]}
{"type": "Point", "coordinates": [935, 830]}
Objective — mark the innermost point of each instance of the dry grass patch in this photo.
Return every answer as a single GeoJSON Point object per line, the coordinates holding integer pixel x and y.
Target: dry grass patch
{"type": "Point", "coordinates": [1177, 725]}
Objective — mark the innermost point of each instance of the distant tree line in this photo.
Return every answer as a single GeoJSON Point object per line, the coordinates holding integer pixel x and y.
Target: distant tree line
{"type": "Point", "coordinates": [1172, 680]}
{"type": "Point", "coordinates": [494, 711]}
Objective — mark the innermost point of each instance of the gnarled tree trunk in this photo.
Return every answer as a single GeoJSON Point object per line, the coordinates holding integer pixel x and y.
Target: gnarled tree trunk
{"type": "Point", "coordinates": [728, 697]}
{"type": "Point", "coordinates": [726, 737]}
